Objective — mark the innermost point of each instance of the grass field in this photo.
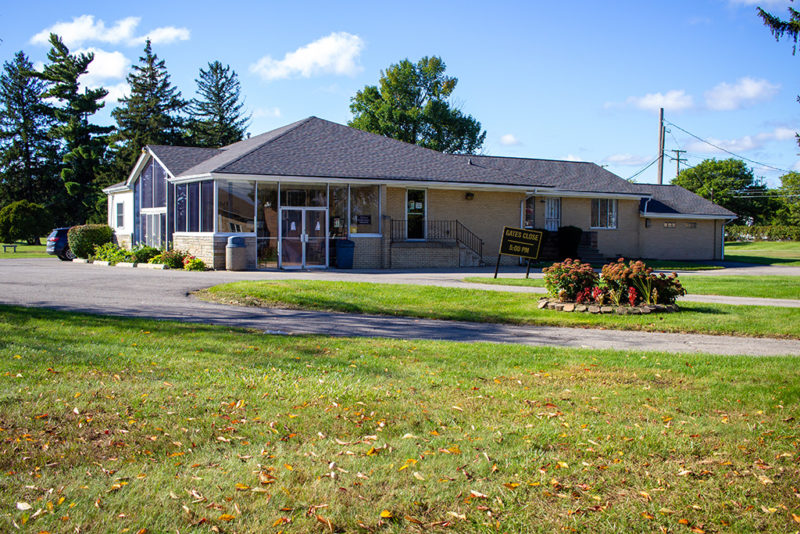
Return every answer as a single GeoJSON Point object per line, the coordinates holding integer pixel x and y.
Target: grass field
{"type": "Point", "coordinates": [27, 251]}
{"type": "Point", "coordinates": [764, 252]}
{"type": "Point", "coordinates": [775, 287]}
{"type": "Point", "coordinates": [121, 425]}
{"type": "Point", "coordinates": [496, 306]}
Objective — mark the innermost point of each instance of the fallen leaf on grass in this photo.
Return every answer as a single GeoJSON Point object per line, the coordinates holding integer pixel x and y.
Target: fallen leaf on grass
{"type": "Point", "coordinates": [386, 514]}
{"type": "Point", "coordinates": [23, 506]}
{"type": "Point", "coordinates": [227, 517]}
{"type": "Point", "coordinates": [462, 517]}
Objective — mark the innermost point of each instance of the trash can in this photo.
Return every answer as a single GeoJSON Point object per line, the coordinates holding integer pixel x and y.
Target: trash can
{"type": "Point", "coordinates": [236, 254]}
{"type": "Point", "coordinates": [344, 253]}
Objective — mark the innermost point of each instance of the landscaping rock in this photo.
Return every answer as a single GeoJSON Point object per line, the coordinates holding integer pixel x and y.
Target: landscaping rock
{"type": "Point", "coordinates": [594, 309]}
{"type": "Point", "coordinates": [569, 307]}
{"type": "Point", "coordinates": [543, 303]}
{"type": "Point", "coordinates": [580, 308]}
{"type": "Point", "coordinates": [606, 309]}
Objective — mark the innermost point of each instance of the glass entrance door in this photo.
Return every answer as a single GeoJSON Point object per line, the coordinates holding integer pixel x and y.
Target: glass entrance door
{"type": "Point", "coordinates": [303, 238]}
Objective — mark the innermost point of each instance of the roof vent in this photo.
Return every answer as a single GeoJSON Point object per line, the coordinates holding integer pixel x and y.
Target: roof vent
{"type": "Point", "coordinates": [469, 161]}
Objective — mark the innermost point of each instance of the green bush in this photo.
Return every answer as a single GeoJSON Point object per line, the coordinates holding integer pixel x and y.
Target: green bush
{"type": "Point", "coordinates": [143, 253]}
{"type": "Point", "coordinates": [173, 259]}
{"type": "Point", "coordinates": [24, 220]}
{"type": "Point", "coordinates": [569, 238]}
{"type": "Point", "coordinates": [111, 253]}
{"type": "Point", "coordinates": [565, 280]}
{"type": "Point", "coordinates": [82, 239]}
{"type": "Point", "coordinates": [190, 263]}
{"type": "Point", "coordinates": [762, 233]}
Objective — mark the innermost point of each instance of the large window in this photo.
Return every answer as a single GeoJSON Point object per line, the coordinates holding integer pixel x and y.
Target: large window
{"type": "Point", "coordinates": [604, 213]}
{"type": "Point", "coordinates": [304, 195]}
{"type": "Point", "coordinates": [154, 186]}
{"type": "Point", "coordinates": [194, 207]}
{"type": "Point", "coordinates": [365, 212]}
{"type": "Point", "coordinates": [236, 201]}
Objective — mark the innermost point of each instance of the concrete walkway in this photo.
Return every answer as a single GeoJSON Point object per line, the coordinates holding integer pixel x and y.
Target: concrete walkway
{"type": "Point", "coordinates": [167, 295]}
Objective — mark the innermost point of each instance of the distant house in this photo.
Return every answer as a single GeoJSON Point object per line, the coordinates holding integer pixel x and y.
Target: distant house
{"type": "Point", "coordinates": [294, 191]}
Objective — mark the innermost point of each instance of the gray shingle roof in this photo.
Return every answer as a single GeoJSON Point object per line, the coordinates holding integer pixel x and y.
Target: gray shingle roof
{"type": "Point", "coordinates": [674, 200]}
{"type": "Point", "coordinates": [576, 176]}
{"type": "Point", "coordinates": [178, 159]}
{"type": "Point", "coordinates": [320, 148]}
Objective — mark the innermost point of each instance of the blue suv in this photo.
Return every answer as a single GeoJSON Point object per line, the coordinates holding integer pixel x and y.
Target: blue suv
{"type": "Point", "coordinates": [58, 245]}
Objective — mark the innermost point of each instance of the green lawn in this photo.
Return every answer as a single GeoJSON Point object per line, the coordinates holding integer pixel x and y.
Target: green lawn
{"type": "Point", "coordinates": [496, 306]}
{"type": "Point", "coordinates": [764, 252]}
{"type": "Point", "coordinates": [26, 251]}
{"type": "Point", "coordinates": [122, 425]}
{"type": "Point", "coordinates": [775, 287]}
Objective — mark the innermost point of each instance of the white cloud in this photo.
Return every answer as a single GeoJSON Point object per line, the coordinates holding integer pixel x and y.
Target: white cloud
{"type": "Point", "coordinates": [626, 160]}
{"type": "Point", "coordinates": [165, 35]}
{"type": "Point", "coordinates": [266, 112]}
{"type": "Point", "coordinates": [725, 96]}
{"type": "Point", "coordinates": [336, 53]}
{"type": "Point", "coordinates": [674, 100]}
{"type": "Point", "coordinates": [85, 29]}
{"type": "Point", "coordinates": [105, 66]}
{"type": "Point", "coordinates": [742, 144]}
{"type": "Point", "coordinates": [509, 140]}
{"type": "Point", "coordinates": [117, 92]}
{"type": "Point", "coordinates": [571, 157]}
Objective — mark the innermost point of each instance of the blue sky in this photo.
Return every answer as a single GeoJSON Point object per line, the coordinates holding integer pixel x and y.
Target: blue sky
{"type": "Point", "coordinates": [580, 80]}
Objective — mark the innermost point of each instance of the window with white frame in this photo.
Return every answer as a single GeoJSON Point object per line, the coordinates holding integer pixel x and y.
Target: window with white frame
{"type": "Point", "coordinates": [120, 214]}
{"type": "Point", "coordinates": [604, 213]}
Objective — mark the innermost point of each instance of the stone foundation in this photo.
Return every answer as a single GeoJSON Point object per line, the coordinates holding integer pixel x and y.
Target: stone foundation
{"type": "Point", "coordinates": [211, 248]}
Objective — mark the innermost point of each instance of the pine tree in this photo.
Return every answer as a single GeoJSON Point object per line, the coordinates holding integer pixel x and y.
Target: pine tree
{"type": "Point", "coordinates": [84, 143]}
{"type": "Point", "coordinates": [151, 115]}
{"type": "Point", "coordinates": [29, 159]}
{"type": "Point", "coordinates": [217, 118]}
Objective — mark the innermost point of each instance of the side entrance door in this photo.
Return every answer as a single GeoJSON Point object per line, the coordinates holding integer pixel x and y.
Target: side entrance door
{"type": "Point", "coordinates": [552, 214]}
{"type": "Point", "coordinates": [303, 243]}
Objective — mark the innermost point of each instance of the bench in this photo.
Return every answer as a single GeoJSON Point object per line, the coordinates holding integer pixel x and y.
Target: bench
{"type": "Point", "coordinates": [6, 247]}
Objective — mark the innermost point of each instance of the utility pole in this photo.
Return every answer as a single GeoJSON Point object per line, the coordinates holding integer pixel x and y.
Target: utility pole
{"type": "Point", "coordinates": [660, 146]}
{"type": "Point", "coordinates": [678, 160]}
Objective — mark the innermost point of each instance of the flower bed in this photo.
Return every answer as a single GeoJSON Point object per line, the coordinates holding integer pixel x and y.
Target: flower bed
{"type": "Point", "coordinates": [621, 288]}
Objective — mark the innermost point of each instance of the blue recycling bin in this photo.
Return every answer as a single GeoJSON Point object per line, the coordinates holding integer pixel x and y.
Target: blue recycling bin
{"type": "Point", "coordinates": [344, 253]}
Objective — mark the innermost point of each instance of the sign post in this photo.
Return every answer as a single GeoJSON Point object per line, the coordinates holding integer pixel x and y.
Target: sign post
{"type": "Point", "coordinates": [521, 243]}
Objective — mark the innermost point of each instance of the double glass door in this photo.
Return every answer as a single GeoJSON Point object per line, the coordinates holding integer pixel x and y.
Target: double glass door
{"type": "Point", "coordinates": [304, 244]}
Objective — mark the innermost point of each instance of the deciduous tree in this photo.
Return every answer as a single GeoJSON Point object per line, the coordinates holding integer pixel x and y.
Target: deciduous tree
{"type": "Point", "coordinates": [412, 104]}
{"type": "Point", "coordinates": [731, 184]}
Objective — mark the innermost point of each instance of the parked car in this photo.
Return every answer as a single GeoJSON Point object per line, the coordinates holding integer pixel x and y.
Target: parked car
{"type": "Point", "coordinates": [58, 245]}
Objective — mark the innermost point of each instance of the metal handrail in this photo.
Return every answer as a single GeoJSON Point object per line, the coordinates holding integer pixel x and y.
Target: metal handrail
{"type": "Point", "coordinates": [439, 231]}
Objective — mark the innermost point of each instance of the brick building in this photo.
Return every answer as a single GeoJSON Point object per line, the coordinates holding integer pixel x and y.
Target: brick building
{"type": "Point", "coordinates": [295, 191]}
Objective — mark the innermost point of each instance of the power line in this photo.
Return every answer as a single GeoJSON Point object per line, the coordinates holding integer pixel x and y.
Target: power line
{"type": "Point", "coordinates": [645, 168]}
{"type": "Point", "coordinates": [725, 150]}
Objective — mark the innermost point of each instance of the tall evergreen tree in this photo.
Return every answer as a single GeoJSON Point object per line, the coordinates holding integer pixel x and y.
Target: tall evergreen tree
{"type": "Point", "coordinates": [217, 118]}
{"type": "Point", "coordinates": [84, 143]}
{"type": "Point", "coordinates": [29, 159]}
{"type": "Point", "coordinates": [151, 115]}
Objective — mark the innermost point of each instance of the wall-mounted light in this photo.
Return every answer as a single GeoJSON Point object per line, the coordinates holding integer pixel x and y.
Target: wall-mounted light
{"type": "Point", "coordinates": [469, 195]}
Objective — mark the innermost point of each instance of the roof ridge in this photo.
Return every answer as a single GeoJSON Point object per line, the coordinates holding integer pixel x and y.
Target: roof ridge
{"type": "Point", "coordinates": [527, 159]}
{"type": "Point", "coordinates": [290, 128]}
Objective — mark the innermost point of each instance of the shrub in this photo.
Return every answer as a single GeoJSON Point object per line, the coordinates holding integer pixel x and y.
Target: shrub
{"type": "Point", "coordinates": [569, 238]}
{"type": "Point", "coordinates": [190, 263]}
{"type": "Point", "coordinates": [567, 279]}
{"type": "Point", "coordinates": [24, 220]}
{"type": "Point", "coordinates": [143, 253]}
{"type": "Point", "coordinates": [171, 258]}
{"type": "Point", "coordinates": [111, 253]}
{"type": "Point", "coordinates": [82, 239]}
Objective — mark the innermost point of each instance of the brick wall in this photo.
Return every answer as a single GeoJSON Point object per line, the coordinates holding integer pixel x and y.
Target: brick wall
{"type": "Point", "coordinates": [367, 253]}
{"type": "Point", "coordinates": [417, 255]}
{"type": "Point", "coordinates": [211, 248]}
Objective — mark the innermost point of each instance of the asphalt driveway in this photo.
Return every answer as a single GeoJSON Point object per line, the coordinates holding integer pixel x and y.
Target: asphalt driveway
{"type": "Point", "coordinates": [167, 295]}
